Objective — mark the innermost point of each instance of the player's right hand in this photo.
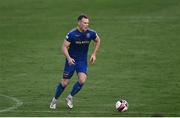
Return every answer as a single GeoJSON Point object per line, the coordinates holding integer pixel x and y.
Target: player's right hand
{"type": "Point", "coordinates": [71, 61]}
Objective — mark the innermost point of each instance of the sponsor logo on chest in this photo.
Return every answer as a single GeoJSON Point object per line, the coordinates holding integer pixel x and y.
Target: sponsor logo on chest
{"type": "Point", "coordinates": [81, 42]}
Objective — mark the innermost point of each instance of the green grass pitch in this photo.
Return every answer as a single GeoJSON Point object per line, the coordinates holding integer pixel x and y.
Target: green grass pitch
{"type": "Point", "coordinates": [138, 60]}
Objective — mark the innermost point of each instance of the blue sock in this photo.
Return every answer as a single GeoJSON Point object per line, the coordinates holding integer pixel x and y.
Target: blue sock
{"type": "Point", "coordinates": [59, 90]}
{"type": "Point", "coordinates": [76, 88]}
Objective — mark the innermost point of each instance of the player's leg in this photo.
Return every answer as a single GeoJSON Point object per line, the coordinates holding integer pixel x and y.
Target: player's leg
{"type": "Point", "coordinates": [81, 68]}
{"type": "Point", "coordinates": [68, 72]}
{"type": "Point", "coordinates": [82, 77]}
{"type": "Point", "coordinates": [60, 88]}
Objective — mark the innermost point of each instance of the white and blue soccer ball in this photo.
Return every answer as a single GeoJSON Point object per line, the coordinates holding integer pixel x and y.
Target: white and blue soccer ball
{"type": "Point", "coordinates": [122, 105]}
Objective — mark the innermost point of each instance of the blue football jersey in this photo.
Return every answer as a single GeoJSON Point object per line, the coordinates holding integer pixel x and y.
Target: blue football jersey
{"type": "Point", "coordinates": [80, 41]}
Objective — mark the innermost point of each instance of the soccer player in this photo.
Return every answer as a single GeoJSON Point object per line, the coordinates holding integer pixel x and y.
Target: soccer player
{"type": "Point", "coordinates": [75, 49]}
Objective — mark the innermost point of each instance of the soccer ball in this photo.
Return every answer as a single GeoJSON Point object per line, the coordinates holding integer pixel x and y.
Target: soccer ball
{"type": "Point", "coordinates": [122, 105]}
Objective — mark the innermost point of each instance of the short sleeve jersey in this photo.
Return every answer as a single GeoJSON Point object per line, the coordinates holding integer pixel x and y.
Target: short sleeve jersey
{"type": "Point", "coordinates": [80, 41]}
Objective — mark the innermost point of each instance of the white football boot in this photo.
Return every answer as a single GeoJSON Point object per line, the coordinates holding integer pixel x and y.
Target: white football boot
{"type": "Point", "coordinates": [69, 101]}
{"type": "Point", "coordinates": [53, 103]}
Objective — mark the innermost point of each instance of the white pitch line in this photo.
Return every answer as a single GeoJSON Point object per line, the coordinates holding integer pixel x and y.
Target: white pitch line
{"type": "Point", "coordinates": [15, 106]}
{"type": "Point", "coordinates": [128, 112]}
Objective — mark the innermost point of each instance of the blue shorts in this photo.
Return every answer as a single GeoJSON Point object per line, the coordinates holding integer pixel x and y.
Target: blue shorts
{"type": "Point", "coordinates": [79, 66]}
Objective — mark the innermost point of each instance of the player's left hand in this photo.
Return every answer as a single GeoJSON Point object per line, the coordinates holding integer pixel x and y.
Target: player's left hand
{"type": "Point", "coordinates": [93, 58]}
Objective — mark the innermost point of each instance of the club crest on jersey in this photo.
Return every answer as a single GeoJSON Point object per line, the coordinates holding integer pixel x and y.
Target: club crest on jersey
{"type": "Point", "coordinates": [88, 35]}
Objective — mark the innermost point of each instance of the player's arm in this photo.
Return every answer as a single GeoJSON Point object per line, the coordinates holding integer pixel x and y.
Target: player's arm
{"type": "Point", "coordinates": [97, 45]}
{"type": "Point", "coordinates": [65, 48]}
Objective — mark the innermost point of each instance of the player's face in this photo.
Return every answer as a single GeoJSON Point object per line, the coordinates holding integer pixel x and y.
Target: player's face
{"type": "Point", "coordinates": [83, 24]}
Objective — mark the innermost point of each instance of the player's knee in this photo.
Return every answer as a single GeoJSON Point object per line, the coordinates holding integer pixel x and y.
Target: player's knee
{"type": "Point", "coordinates": [65, 82]}
{"type": "Point", "coordinates": [82, 81]}
{"type": "Point", "coordinates": [82, 78]}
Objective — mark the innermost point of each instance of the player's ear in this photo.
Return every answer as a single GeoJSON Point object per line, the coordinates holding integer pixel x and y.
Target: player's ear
{"type": "Point", "coordinates": [79, 22]}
